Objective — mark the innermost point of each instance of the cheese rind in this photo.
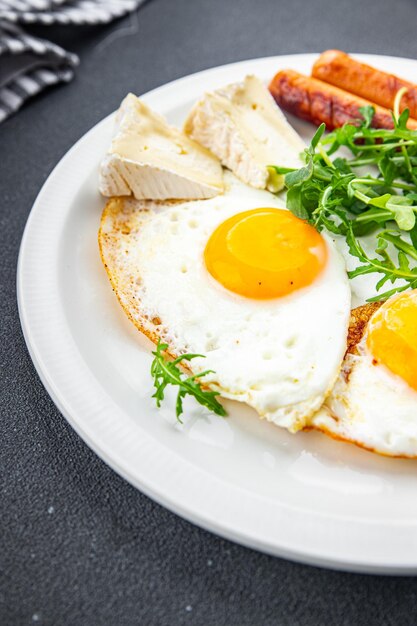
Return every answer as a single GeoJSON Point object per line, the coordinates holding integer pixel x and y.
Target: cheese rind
{"type": "Point", "coordinates": [246, 130]}
{"type": "Point", "coordinates": [151, 160]}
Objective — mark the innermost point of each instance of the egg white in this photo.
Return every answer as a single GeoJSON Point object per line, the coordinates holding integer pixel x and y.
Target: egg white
{"type": "Point", "coordinates": [281, 356]}
{"type": "Point", "coordinates": [372, 407]}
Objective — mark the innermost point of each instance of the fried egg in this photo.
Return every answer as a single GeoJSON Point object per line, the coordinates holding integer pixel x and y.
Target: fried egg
{"type": "Point", "coordinates": [240, 280]}
{"type": "Point", "coordinates": [374, 401]}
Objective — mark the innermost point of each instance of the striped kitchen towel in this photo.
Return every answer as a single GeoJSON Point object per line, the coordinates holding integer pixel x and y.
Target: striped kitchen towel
{"type": "Point", "coordinates": [29, 64]}
{"type": "Point", "coordinates": [65, 11]}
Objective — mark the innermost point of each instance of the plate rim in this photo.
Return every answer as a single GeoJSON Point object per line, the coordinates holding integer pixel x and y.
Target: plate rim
{"type": "Point", "coordinates": [239, 535]}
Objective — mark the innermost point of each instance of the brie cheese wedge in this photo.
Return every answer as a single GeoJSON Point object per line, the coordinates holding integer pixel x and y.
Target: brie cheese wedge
{"type": "Point", "coordinates": [242, 125]}
{"type": "Point", "coordinates": [151, 160]}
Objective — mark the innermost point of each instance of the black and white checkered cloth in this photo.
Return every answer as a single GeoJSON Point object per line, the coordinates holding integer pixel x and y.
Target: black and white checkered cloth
{"type": "Point", "coordinates": [29, 64]}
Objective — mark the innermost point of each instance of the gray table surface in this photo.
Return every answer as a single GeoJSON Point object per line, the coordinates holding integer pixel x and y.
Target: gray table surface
{"type": "Point", "coordinates": [78, 545]}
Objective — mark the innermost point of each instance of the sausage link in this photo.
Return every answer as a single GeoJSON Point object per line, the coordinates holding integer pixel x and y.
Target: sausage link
{"type": "Point", "coordinates": [339, 69]}
{"type": "Point", "coordinates": [317, 102]}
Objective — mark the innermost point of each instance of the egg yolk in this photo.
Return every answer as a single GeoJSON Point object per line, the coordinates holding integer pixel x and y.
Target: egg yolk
{"type": "Point", "coordinates": [265, 253]}
{"type": "Point", "coordinates": [392, 336]}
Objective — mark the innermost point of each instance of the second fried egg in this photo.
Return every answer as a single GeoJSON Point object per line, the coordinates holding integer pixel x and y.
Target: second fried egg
{"type": "Point", "coordinates": [374, 402]}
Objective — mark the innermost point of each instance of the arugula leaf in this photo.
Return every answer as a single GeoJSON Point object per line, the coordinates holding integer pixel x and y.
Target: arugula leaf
{"type": "Point", "coordinates": [400, 244]}
{"type": "Point", "coordinates": [316, 138]}
{"type": "Point", "coordinates": [301, 175]}
{"type": "Point", "coordinates": [388, 168]}
{"type": "Point", "coordinates": [403, 212]}
{"type": "Point", "coordinates": [295, 203]}
{"type": "Point", "coordinates": [281, 170]}
{"type": "Point", "coordinates": [342, 165]}
{"type": "Point", "coordinates": [401, 122]}
{"type": "Point", "coordinates": [377, 215]}
{"type": "Point", "coordinates": [380, 201]}
{"type": "Point", "coordinates": [305, 173]}
{"type": "Point", "coordinates": [367, 113]}
{"type": "Point", "coordinates": [167, 372]}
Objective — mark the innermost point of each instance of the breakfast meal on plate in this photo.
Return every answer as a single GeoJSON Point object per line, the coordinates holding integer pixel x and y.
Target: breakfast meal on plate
{"type": "Point", "coordinates": [240, 251]}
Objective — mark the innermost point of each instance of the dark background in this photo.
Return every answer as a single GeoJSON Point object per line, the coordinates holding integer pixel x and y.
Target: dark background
{"type": "Point", "coordinates": [78, 545]}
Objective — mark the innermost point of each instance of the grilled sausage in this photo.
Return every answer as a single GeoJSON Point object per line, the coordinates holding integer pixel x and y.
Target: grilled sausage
{"type": "Point", "coordinates": [317, 102]}
{"type": "Point", "coordinates": [339, 69]}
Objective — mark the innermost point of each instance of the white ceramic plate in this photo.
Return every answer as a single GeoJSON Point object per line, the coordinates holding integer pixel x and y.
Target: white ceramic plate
{"type": "Point", "coordinates": [302, 497]}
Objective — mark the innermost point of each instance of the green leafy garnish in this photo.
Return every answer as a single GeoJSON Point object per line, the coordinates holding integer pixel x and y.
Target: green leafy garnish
{"type": "Point", "coordinates": [167, 372]}
{"type": "Point", "coordinates": [332, 193]}
{"type": "Point", "coordinates": [384, 264]}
